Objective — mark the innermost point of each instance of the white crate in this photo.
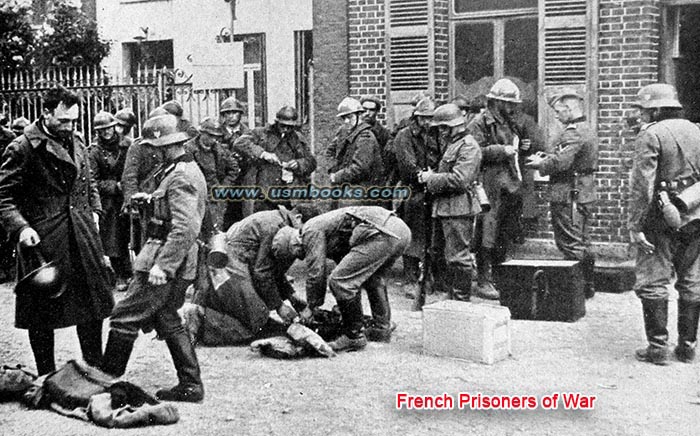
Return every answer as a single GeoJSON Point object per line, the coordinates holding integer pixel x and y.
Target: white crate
{"type": "Point", "coordinates": [477, 332]}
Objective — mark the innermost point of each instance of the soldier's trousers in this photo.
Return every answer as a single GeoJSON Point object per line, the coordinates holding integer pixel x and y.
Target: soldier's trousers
{"type": "Point", "coordinates": [571, 237]}
{"type": "Point", "coordinates": [451, 239]}
{"type": "Point", "coordinates": [679, 253]}
{"type": "Point", "coordinates": [501, 225]}
{"type": "Point", "coordinates": [372, 253]}
{"type": "Point", "coordinates": [146, 307]}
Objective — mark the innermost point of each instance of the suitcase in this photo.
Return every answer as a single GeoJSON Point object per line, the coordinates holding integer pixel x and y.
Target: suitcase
{"type": "Point", "coordinates": [545, 290]}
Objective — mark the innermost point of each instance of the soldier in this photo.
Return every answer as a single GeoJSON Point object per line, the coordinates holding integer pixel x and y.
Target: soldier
{"type": "Point", "coordinates": [571, 170]}
{"type": "Point", "coordinates": [49, 201]}
{"type": "Point", "coordinates": [372, 107]}
{"type": "Point", "coordinates": [666, 159]}
{"type": "Point", "coordinates": [6, 135]}
{"type": "Point", "coordinates": [237, 309]}
{"type": "Point", "coordinates": [126, 120]}
{"type": "Point", "coordinates": [416, 150]}
{"type": "Point", "coordinates": [166, 264]}
{"type": "Point", "coordinates": [454, 207]}
{"type": "Point", "coordinates": [219, 167]}
{"type": "Point", "coordinates": [230, 114]}
{"type": "Point", "coordinates": [354, 153]}
{"type": "Point", "coordinates": [364, 241]}
{"type": "Point", "coordinates": [277, 155]}
{"type": "Point", "coordinates": [174, 107]}
{"type": "Point", "coordinates": [107, 156]}
{"type": "Point", "coordinates": [497, 134]}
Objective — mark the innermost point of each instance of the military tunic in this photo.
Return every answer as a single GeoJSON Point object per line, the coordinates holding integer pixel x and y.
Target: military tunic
{"type": "Point", "coordinates": [237, 309]}
{"type": "Point", "coordinates": [665, 151]}
{"type": "Point", "coordinates": [361, 249]}
{"type": "Point", "coordinates": [572, 166]}
{"type": "Point", "coordinates": [179, 204]}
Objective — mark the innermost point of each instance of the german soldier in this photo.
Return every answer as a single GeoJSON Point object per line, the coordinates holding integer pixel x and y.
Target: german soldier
{"type": "Point", "coordinates": [571, 168]}
{"type": "Point", "coordinates": [666, 160]}
{"type": "Point", "coordinates": [166, 264]}
{"type": "Point", "coordinates": [48, 196]}
{"type": "Point", "coordinates": [454, 207]}
{"type": "Point", "coordinates": [235, 310]}
{"type": "Point", "coordinates": [107, 156]}
{"type": "Point", "coordinates": [495, 131]}
{"type": "Point", "coordinates": [416, 150]}
{"type": "Point", "coordinates": [364, 241]}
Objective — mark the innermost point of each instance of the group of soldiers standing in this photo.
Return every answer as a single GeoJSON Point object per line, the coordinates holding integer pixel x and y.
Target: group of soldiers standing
{"type": "Point", "coordinates": [142, 208]}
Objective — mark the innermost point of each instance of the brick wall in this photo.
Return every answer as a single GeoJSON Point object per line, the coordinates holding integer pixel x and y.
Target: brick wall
{"type": "Point", "coordinates": [331, 75]}
{"type": "Point", "coordinates": [442, 54]}
{"type": "Point", "coordinates": [367, 49]}
{"type": "Point", "coordinates": [628, 59]}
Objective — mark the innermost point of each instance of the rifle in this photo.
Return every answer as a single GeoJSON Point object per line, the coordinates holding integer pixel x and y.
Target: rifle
{"type": "Point", "coordinates": [426, 265]}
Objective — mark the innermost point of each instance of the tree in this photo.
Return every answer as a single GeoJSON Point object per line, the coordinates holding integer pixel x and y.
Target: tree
{"type": "Point", "coordinates": [69, 38]}
{"type": "Point", "coordinates": [16, 37]}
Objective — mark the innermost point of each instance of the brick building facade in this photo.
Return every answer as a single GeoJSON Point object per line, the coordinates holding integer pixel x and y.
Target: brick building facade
{"type": "Point", "coordinates": [610, 49]}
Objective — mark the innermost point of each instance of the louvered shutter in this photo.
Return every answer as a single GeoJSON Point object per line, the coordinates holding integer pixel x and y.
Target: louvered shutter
{"type": "Point", "coordinates": [568, 54]}
{"type": "Point", "coordinates": [409, 54]}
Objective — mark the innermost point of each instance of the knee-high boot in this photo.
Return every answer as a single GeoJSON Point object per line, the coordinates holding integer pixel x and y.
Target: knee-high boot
{"type": "Point", "coordinates": [90, 338]}
{"type": "Point", "coordinates": [42, 343]}
{"type": "Point", "coordinates": [688, 316]}
{"type": "Point", "coordinates": [352, 338]}
{"type": "Point", "coordinates": [588, 269]}
{"type": "Point", "coordinates": [655, 320]}
{"type": "Point", "coordinates": [381, 326]}
{"type": "Point", "coordinates": [484, 264]}
{"type": "Point", "coordinates": [460, 280]}
{"type": "Point", "coordinates": [117, 352]}
{"type": "Point", "coordinates": [189, 387]}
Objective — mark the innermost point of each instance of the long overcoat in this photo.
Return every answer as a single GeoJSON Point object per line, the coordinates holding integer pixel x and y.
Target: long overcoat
{"type": "Point", "coordinates": [43, 187]}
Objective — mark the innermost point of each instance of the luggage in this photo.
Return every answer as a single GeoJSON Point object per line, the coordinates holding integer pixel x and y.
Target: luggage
{"type": "Point", "coordinates": [545, 290]}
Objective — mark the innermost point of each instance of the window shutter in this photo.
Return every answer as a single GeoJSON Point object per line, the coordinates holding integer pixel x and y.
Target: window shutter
{"type": "Point", "coordinates": [409, 53]}
{"type": "Point", "coordinates": [568, 54]}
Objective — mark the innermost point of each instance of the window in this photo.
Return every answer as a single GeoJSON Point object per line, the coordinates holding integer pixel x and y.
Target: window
{"type": "Point", "coordinates": [303, 57]}
{"type": "Point", "coordinates": [485, 49]}
{"type": "Point", "coordinates": [462, 6]}
{"type": "Point", "coordinates": [254, 93]}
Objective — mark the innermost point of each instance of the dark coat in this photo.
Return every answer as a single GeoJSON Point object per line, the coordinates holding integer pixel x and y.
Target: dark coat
{"type": "Point", "coordinates": [42, 187]}
{"type": "Point", "coordinates": [141, 160]}
{"type": "Point", "coordinates": [264, 174]}
{"type": "Point", "coordinates": [107, 164]}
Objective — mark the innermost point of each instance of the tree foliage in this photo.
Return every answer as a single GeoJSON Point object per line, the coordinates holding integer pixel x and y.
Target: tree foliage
{"type": "Point", "coordinates": [16, 36]}
{"type": "Point", "coordinates": [65, 37]}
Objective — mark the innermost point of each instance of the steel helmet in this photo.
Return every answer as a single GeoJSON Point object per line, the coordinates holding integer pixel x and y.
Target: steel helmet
{"type": "Point", "coordinates": [349, 106]}
{"type": "Point", "coordinates": [231, 105]}
{"type": "Point", "coordinates": [44, 281]}
{"type": "Point", "coordinates": [211, 126]}
{"type": "Point", "coordinates": [448, 115]}
{"type": "Point", "coordinates": [103, 120]}
{"type": "Point", "coordinates": [425, 108]}
{"type": "Point", "coordinates": [283, 241]}
{"type": "Point", "coordinates": [287, 115]}
{"type": "Point", "coordinates": [173, 107]}
{"type": "Point", "coordinates": [462, 102]}
{"type": "Point", "coordinates": [162, 130]}
{"type": "Point", "coordinates": [505, 90]}
{"type": "Point", "coordinates": [125, 117]}
{"type": "Point", "coordinates": [374, 100]}
{"type": "Point", "coordinates": [564, 93]}
{"type": "Point", "coordinates": [19, 124]}
{"type": "Point", "coordinates": [158, 112]}
{"type": "Point", "coordinates": [658, 95]}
